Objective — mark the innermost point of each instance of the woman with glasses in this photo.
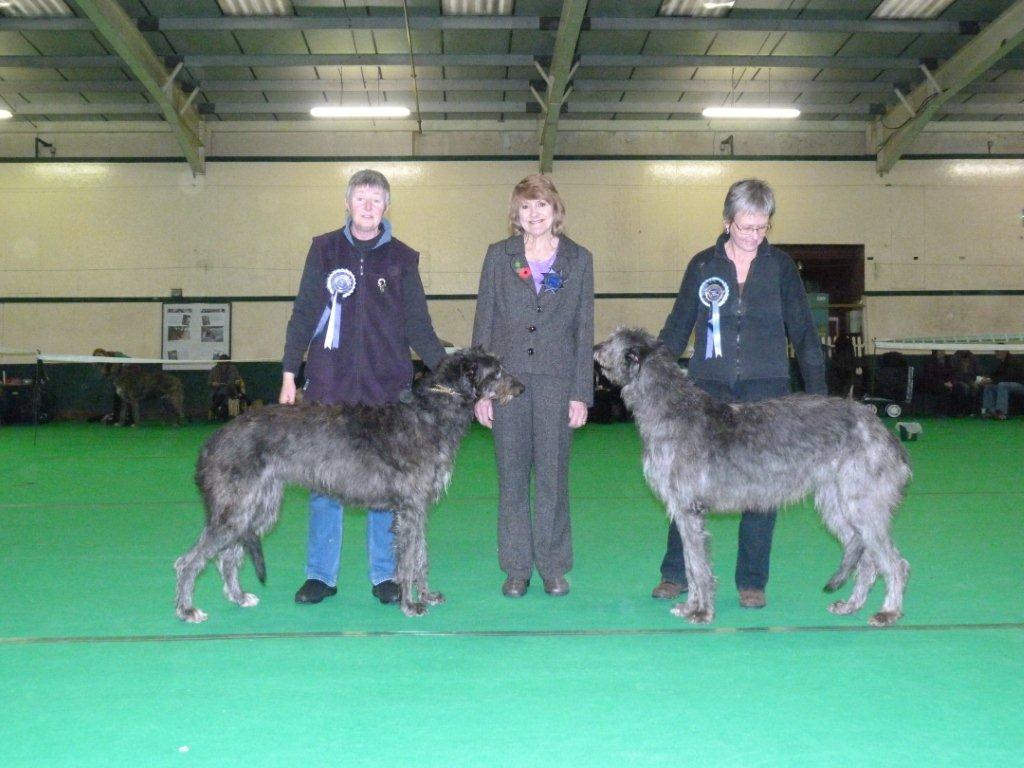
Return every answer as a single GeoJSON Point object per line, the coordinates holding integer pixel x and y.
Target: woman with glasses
{"type": "Point", "coordinates": [745, 300]}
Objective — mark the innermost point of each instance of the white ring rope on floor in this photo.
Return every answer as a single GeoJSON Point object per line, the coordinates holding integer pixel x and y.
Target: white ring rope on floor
{"type": "Point", "coordinates": [48, 357]}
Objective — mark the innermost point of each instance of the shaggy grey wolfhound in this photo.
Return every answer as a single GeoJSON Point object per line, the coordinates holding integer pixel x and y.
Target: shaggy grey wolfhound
{"type": "Point", "coordinates": [701, 455]}
{"type": "Point", "coordinates": [397, 456]}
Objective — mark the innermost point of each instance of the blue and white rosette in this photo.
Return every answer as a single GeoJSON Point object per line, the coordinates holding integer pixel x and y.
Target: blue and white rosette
{"type": "Point", "coordinates": [713, 293]}
{"type": "Point", "coordinates": [340, 284]}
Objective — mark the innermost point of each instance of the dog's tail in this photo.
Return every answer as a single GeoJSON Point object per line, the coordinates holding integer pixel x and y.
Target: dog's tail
{"type": "Point", "coordinates": [252, 544]}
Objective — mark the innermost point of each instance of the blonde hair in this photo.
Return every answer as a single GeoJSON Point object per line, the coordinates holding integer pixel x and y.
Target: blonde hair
{"type": "Point", "coordinates": [536, 186]}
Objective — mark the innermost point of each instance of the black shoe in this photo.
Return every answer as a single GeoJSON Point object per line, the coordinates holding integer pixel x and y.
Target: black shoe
{"type": "Point", "coordinates": [515, 587]}
{"type": "Point", "coordinates": [387, 592]}
{"type": "Point", "coordinates": [556, 586]}
{"type": "Point", "coordinates": [313, 591]}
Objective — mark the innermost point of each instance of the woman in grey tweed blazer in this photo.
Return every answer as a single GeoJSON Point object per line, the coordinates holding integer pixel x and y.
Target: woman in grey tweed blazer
{"type": "Point", "coordinates": [535, 310]}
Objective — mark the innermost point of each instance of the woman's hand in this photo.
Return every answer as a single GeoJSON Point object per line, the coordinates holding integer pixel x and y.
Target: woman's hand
{"type": "Point", "coordinates": [287, 395]}
{"type": "Point", "coordinates": [577, 414]}
{"type": "Point", "coordinates": [484, 412]}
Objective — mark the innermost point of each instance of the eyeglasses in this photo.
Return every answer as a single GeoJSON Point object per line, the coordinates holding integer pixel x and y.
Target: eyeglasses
{"type": "Point", "coordinates": [762, 230]}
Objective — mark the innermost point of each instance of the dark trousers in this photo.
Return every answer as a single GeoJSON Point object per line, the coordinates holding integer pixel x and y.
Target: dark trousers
{"type": "Point", "coordinates": [754, 549]}
{"type": "Point", "coordinates": [532, 437]}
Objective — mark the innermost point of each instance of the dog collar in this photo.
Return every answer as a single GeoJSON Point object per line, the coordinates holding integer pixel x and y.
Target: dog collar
{"type": "Point", "coordinates": [444, 390]}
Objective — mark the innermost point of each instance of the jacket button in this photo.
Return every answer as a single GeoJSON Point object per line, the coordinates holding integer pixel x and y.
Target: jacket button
{"type": "Point", "coordinates": [529, 351]}
{"type": "Point", "coordinates": [531, 328]}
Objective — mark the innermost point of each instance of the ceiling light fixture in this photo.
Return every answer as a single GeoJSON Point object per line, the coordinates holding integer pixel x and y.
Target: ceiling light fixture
{"type": "Point", "coordinates": [693, 8]}
{"type": "Point", "coordinates": [910, 9]}
{"type": "Point", "coordinates": [359, 112]}
{"type": "Point", "coordinates": [256, 7]}
{"type": "Point", "coordinates": [772, 113]}
{"type": "Point", "coordinates": [36, 8]}
{"type": "Point", "coordinates": [6, 114]}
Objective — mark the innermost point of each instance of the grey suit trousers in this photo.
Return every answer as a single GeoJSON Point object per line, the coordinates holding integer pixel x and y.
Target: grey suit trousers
{"type": "Point", "coordinates": [532, 437]}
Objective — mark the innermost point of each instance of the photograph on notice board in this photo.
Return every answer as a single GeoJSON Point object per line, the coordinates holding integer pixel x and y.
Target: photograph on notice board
{"type": "Point", "coordinates": [195, 333]}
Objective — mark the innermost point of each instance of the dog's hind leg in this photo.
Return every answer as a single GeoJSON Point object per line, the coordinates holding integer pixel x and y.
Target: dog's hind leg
{"type": "Point", "coordinates": [189, 566]}
{"type": "Point", "coordinates": [228, 563]}
{"type": "Point", "coordinates": [828, 503]}
{"type": "Point", "coordinates": [699, 607]}
{"type": "Point", "coordinates": [891, 565]}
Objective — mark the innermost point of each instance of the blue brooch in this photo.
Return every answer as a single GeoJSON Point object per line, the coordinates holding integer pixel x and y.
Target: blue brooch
{"type": "Point", "coordinates": [552, 282]}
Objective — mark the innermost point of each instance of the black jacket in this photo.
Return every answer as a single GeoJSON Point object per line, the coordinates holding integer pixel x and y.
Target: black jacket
{"type": "Point", "coordinates": [754, 327]}
{"type": "Point", "coordinates": [383, 317]}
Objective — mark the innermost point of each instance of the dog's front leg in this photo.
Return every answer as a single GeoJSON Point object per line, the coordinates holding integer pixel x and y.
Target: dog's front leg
{"type": "Point", "coordinates": [699, 607]}
{"type": "Point", "coordinates": [406, 552]}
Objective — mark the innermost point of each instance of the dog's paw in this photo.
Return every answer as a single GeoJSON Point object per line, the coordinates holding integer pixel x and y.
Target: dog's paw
{"type": "Point", "coordinates": [192, 615]}
{"type": "Point", "coordinates": [843, 608]}
{"type": "Point", "coordinates": [432, 598]}
{"type": "Point", "coordinates": [693, 613]}
{"type": "Point", "coordinates": [414, 609]}
{"type": "Point", "coordinates": [249, 600]}
{"type": "Point", "coordinates": [884, 618]}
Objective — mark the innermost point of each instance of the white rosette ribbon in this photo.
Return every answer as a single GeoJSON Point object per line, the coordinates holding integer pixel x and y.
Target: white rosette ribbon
{"type": "Point", "coordinates": [340, 284]}
{"type": "Point", "coordinates": [713, 293]}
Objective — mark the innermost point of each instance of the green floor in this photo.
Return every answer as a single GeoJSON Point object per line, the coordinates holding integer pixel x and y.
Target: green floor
{"type": "Point", "coordinates": [95, 670]}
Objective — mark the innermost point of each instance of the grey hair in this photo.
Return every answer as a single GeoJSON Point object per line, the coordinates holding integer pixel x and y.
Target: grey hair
{"type": "Point", "coordinates": [369, 178]}
{"type": "Point", "coordinates": [749, 196]}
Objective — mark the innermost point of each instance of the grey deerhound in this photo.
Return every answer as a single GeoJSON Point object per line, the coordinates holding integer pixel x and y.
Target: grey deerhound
{"type": "Point", "coordinates": [701, 455]}
{"type": "Point", "coordinates": [397, 456]}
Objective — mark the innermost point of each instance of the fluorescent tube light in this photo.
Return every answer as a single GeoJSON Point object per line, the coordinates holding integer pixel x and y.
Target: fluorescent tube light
{"type": "Point", "coordinates": [910, 9]}
{"type": "Point", "coordinates": [754, 112]}
{"type": "Point", "coordinates": [6, 114]}
{"type": "Point", "coordinates": [256, 7]}
{"type": "Point", "coordinates": [693, 8]}
{"type": "Point", "coordinates": [365, 112]}
{"type": "Point", "coordinates": [476, 7]}
{"type": "Point", "coordinates": [36, 8]}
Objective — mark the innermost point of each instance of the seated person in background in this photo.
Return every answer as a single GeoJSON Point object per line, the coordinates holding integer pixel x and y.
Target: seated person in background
{"type": "Point", "coordinates": [1007, 378]}
{"type": "Point", "coordinates": [226, 384]}
{"type": "Point", "coordinates": [966, 387]}
{"type": "Point", "coordinates": [937, 383]}
{"type": "Point", "coordinates": [842, 367]}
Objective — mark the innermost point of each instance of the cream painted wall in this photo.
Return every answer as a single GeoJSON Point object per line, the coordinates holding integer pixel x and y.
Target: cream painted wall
{"type": "Point", "coordinates": [140, 229]}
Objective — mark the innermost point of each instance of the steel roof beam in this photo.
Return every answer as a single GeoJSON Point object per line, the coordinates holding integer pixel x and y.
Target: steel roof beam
{"type": "Point", "coordinates": [569, 27]}
{"type": "Point", "coordinates": [965, 66]}
{"type": "Point", "coordinates": [115, 26]}
{"type": "Point", "coordinates": [521, 106]}
{"type": "Point", "coordinates": [597, 23]}
{"type": "Point", "coordinates": [399, 85]}
{"type": "Point", "coordinates": [496, 60]}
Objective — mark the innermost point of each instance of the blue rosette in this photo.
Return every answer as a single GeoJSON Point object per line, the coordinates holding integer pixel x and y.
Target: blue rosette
{"type": "Point", "coordinates": [340, 285]}
{"type": "Point", "coordinates": [713, 293]}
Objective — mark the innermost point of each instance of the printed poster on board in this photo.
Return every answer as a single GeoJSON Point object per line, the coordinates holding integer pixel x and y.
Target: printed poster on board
{"type": "Point", "coordinates": [196, 333]}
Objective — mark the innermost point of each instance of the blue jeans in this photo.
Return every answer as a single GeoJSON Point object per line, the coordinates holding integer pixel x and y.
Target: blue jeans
{"type": "Point", "coordinates": [323, 545]}
{"type": "Point", "coordinates": [996, 397]}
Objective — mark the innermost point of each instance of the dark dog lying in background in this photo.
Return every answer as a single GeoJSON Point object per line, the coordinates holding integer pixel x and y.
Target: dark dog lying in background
{"type": "Point", "coordinates": [133, 385]}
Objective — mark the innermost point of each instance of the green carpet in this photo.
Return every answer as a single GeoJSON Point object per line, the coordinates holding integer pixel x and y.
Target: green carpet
{"type": "Point", "coordinates": [95, 670]}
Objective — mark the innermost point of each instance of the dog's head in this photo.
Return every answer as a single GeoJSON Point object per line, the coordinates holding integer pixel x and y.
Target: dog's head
{"type": "Point", "coordinates": [477, 375]}
{"type": "Point", "coordinates": [622, 355]}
